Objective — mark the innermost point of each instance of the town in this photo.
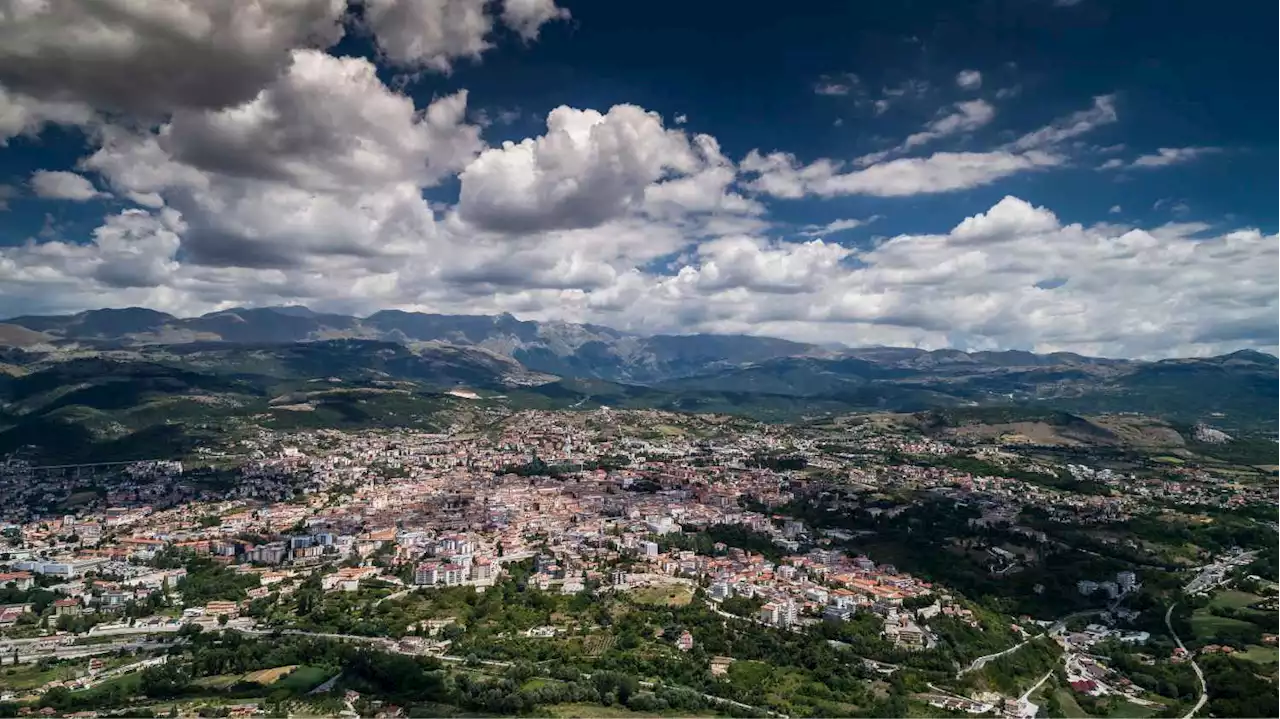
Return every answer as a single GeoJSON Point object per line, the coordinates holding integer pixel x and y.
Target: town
{"type": "Point", "coordinates": [750, 521]}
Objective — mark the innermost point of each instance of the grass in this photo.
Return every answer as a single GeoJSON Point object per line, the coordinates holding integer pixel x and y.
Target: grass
{"type": "Point", "coordinates": [32, 676]}
{"type": "Point", "coordinates": [1070, 708]}
{"type": "Point", "coordinates": [1166, 459]}
{"type": "Point", "coordinates": [305, 678]}
{"type": "Point", "coordinates": [668, 595]}
{"type": "Point", "coordinates": [217, 681]}
{"type": "Point", "coordinates": [1260, 655]}
{"type": "Point", "coordinates": [1207, 626]}
{"type": "Point", "coordinates": [1234, 599]}
{"type": "Point", "coordinates": [1127, 709]}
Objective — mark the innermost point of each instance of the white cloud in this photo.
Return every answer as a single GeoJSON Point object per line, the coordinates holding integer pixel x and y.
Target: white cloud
{"type": "Point", "coordinates": [1163, 157]}
{"type": "Point", "coordinates": [969, 79]}
{"type": "Point", "coordinates": [1115, 210]}
{"type": "Point", "coordinates": [835, 226]}
{"type": "Point", "coordinates": [1011, 217]}
{"type": "Point", "coordinates": [151, 56]}
{"type": "Point", "coordinates": [60, 185]}
{"type": "Point", "coordinates": [25, 115]}
{"type": "Point", "coordinates": [959, 118]}
{"type": "Point", "coordinates": [680, 119]}
{"type": "Point", "coordinates": [526, 17]}
{"type": "Point", "coordinates": [587, 169]}
{"type": "Point", "coordinates": [966, 117]}
{"type": "Point", "coordinates": [1116, 291]}
{"type": "Point", "coordinates": [1102, 113]}
{"type": "Point", "coordinates": [325, 163]}
{"type": "Point", "coordinates": [906, 90]}
{"type": "Point", "coordinates": [1174, 289]}
{"type": "Point", "coordinates": [838, 85]}
{"type": "Point", "coordinates": [779, 174]}
{"type": "Point", "coordinates": [326, 124]}
{"type": "Point", "coordinates": [746, 263]}
{"type": "Point", "coordinates": [433, 35]}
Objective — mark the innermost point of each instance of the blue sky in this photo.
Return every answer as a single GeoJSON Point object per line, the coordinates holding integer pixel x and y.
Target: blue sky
{"type": "Point", "coordinates": [807, 172]}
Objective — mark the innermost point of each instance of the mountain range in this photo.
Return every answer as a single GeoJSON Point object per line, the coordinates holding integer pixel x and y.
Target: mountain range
{"type": "Point", "coordinates": [117, 370]}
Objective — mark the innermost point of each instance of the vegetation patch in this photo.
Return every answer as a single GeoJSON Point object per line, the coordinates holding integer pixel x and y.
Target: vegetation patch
{"type": "Point", "coordinates": [671, 595]}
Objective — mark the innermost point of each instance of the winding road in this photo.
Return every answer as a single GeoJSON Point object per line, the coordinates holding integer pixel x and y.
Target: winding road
{"type": "Point", "coordinates": [1204, 690]}
{"type": "Point", "coordinates": [1056, 627]}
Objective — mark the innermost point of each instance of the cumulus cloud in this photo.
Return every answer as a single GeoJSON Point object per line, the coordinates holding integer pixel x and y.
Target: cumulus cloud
{"type": "Point", "coordinates": [985, 284]}
{"type": "Point", "coordinates": [433, 35]}
{"type": "Point", "coordinates": [149, 57]}
{"type": "Point", "coordinates": [748, 263]}
{"type": "Point", "coordinates": [60, 185]}
{"type": "Point", "coordinates": [588, 168]}
{"type": "Point", "coordinates": [25, 115]}
{"type": "Point", "coordinates": [1013, 276]}
{"type": "Point", "coordinates": [526, 17]}
{"type": "Point", "coordinates": [324, 162]}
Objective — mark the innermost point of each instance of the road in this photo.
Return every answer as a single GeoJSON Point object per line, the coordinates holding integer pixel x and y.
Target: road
{"type": "Point", "coordinates": [1057, 626]}
{"type": "Point", "coordinates": [86, 650]}
{"type": "Point", "coordinates": [1027, 694]}
{"type": "Point", "coordinates": [1204, 690]}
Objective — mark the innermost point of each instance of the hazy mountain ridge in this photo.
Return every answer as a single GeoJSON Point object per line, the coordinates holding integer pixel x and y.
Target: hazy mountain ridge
{"type": "Point", "coordinates": [561, 348]}
{"type": "Point", "coordinates": [676, 371]}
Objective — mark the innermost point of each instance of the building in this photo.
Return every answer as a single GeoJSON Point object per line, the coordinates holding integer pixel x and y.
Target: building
{"type": "Point", "coordinates": [63, 607]}
{"type": "Point", "coordinates": [426, 574]}
{"type": "Point", "coordinates": [685, 642]}
{"type": "Point", "coordinates": [720, 590]}
{"type": "Point", "coordinates": [649, 549]}
{"type": "Point", "coordinates": [1127, 581]}
{"type": "Point", "coordinates": [220, 608]}
{"type": "Point", "coordinates": [21, 580]}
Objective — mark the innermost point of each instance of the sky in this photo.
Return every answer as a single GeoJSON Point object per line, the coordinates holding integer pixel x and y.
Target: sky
{"type": "Point", "coordinates": [1046, 175]}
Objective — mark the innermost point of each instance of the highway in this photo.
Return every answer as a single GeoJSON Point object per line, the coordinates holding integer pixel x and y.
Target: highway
{"type": "Point", "coordinates": [1204, 690]}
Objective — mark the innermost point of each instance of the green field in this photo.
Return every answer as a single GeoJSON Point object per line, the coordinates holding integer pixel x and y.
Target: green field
{"type": "Point", "coordinates": [304, 679]}
{"type": "Point", "coordinates": [1207, 626]}
{"type": "Point", "coordinates": [299, 680]}
{"type": "Point", "coordinates": [1233, 599]}
{"type": "Point", "coordinates": [1260, 654]}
